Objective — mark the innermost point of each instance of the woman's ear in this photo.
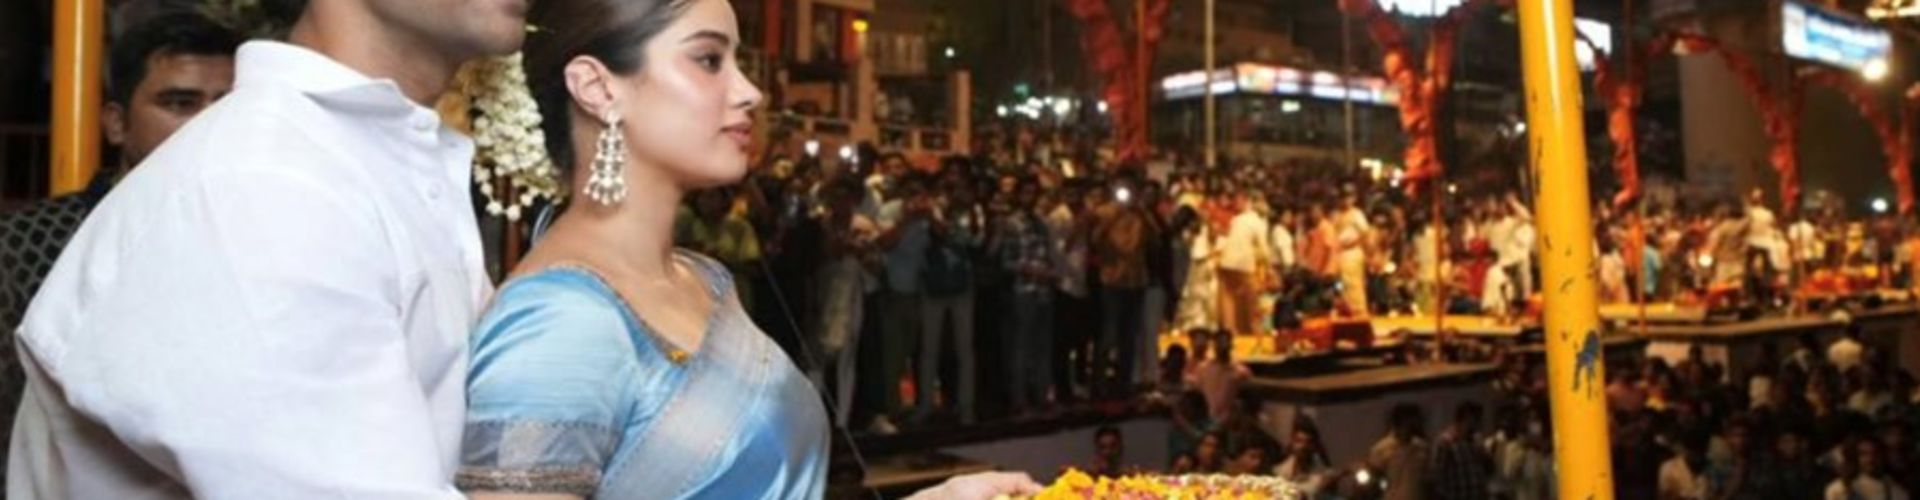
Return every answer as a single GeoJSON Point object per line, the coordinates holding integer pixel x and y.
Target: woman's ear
{"type": "Point", "coordinates": [591, 84]}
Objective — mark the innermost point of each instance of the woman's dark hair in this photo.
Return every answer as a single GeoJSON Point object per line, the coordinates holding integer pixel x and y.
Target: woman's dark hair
{"type": "Point", "coordinates": [612, 31]}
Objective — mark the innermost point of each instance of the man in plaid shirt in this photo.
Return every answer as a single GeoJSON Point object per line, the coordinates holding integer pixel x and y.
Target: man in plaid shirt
{"type": "Point", "coordinates": [1025, 249]}
{"type": "Point", "coordinates": [1460, 467]}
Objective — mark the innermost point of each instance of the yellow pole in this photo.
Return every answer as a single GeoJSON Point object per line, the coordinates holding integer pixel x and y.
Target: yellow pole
{"type": "Point", "coordinates": [1575, 372]}
{"type": "Point", "coordinates": [79, 39]}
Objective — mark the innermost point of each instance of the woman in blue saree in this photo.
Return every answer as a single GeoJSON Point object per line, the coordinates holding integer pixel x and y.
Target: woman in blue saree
{"type": "Point", "coordinates": [612, 365]}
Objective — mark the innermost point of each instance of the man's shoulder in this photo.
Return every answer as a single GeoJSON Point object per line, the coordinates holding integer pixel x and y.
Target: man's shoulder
{"type": "Point", "coordinates": [253, 128]}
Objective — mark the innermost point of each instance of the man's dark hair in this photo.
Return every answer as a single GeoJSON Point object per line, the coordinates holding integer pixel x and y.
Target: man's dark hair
{"type": "Point", "coordinates": [283, 12]}
{"type": "Point", "coordinates": [1405, 420]}
{"type": "Point", "coordinates": [1106, 430]}
{"type": "Point", "coordinates": [176, 32]}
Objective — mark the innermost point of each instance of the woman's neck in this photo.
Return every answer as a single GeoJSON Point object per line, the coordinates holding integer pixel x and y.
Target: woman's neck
{"type": "Point", "coordinates": [635, 235]}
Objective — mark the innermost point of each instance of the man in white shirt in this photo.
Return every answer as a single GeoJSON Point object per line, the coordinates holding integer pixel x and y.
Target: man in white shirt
{"type": "Point", "coordinates": [1806, 241]}
{"type": "Point", "coordinates": [1242, 254]}
{"type": "Point", "coordinates": [1512, 240]}
{"type": "Point", "coordinates": [1352, 227]}
{"type": "Point", "coordinates": [1284, 256]}
{"type": "Point", "coordinates": [276, 303]}
{"type": "Point", "coordinates": [1763, 232]}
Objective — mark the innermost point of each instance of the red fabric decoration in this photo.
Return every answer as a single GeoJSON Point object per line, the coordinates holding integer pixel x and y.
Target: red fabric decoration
{"type": "Point", "coordinates": [1419, 93]}
{"type": "Point", "coordinates": [1623, 100]}
{"type": "Point", "coordinates": [1120, 67]}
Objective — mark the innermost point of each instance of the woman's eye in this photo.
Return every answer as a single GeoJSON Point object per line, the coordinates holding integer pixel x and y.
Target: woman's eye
{"type": "Point", "coordinates": [711, 62]}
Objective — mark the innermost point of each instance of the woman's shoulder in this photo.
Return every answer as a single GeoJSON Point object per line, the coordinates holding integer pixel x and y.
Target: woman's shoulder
{"type": "Point", "coordinates": [559, 298]}
{"type": "Point", "coordinates": [554, 286]}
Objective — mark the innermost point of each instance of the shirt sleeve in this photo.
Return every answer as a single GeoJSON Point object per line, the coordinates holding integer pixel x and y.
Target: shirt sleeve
{"type": "Point", "coordinates": [548, 392]}
{"type": "Point", "coordinates": [251, 345]}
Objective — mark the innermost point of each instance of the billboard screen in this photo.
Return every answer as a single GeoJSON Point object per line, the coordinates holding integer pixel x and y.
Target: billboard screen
{"type": "Point", "coordinates": [1816, 34]}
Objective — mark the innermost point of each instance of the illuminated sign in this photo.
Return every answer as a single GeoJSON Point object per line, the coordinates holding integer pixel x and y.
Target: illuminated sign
{"type": "Point", "coordinates": [1188, 84]}
{"type": "Point", "coordinates": [1816, 34]}
{"type": "Point", "coordinates": [1883, 9]}
{"type": "Point", "coordinates": [1595, 32]}
{"type": "Point", "coordinates": [1418, 8]}
{"type": "Point", "coordinates": [1263, 79]}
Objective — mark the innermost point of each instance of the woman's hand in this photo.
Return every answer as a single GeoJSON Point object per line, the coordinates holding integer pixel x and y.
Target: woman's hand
{"type": "Point", "coordinates": [982, 486]}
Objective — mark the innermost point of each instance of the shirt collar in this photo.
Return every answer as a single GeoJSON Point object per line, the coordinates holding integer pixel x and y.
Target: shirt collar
{"type": "Point", "coordinates": [270, 63]}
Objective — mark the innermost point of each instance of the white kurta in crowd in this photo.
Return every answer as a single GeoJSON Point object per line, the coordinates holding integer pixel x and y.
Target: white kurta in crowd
{"type": "Point", "coordinates": [1284, 255]}
{"type": "Point", "coordinates": [1246, 245]}
{"type": "Point", "coordinates": [274, 305]}
{"type": "Point", "coordinates": [1763, 233]}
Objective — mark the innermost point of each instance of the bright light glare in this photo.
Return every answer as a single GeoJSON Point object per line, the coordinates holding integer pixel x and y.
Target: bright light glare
{"type": "Point", "coordinates": [1879, 205]}
{"type": "Point", "coordinates": [1874, 70]}
{"type": "Point", "coordinates": [813, 148]}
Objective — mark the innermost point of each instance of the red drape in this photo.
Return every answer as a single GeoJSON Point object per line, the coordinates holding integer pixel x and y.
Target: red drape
{"type": "Point", "coordinates": [1420, 90]}
{"type": "Point", "coordinates": [1121, 67]}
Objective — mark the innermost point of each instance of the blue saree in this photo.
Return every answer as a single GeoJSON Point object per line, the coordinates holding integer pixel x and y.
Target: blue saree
{"type": "Point", "coordinates": [569, 393]}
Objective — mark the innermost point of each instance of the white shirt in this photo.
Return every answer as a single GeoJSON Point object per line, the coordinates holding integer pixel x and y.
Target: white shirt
{"type": "Point", "coordinates": [1844, 354]}
{"type": "Point", "coordinates": [1353, 229]}
{"type": "Point", "coordinates": [1283, 253]}
{"type": "Point", "coordinates": [1865, 488]}
{"type": "Point", "coordinates": [274, 305]}
{"type": "Point", "coordinates": [1496, 291]}
{"type": "Point", "coordinates": [1680, 481]}
{"type": "Point", "coordinates": [1245, 246]}
{"type": "Point", "coordinates": [1762, 229]}
{"type": "Point", "coordinates": [1073, 275]}
{"type": "Point", "coordinates": [1806, 241]}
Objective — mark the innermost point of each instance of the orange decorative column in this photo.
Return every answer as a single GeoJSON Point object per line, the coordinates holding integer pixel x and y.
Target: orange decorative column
{"type": "Point", "coordinates": [79, 43]}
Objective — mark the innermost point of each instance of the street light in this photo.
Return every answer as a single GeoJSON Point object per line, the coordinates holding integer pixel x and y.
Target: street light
{"type": "Point", "coordinates": [950, 52]}
{"type": "Point", "coordinates": [1879, 205]}
{"type": "Point", "coordinates": [813, 148]}
{"type": "Point", "coordinates": [1874, 69]}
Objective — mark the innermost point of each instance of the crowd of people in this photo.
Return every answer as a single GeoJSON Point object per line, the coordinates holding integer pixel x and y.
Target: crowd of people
{"type": "Point", "coordinates": [1824, 421]}
{"type": "Point", "coordinates": [1051, 289]}
{"type": "Point", "coordinates": [873, 269]}
{"type": "Point", "coordinates": [872, 266]}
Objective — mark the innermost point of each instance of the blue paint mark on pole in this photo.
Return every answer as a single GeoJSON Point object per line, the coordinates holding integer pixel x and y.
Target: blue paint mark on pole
{"type": "Point", "coordinates": [1586, 365]}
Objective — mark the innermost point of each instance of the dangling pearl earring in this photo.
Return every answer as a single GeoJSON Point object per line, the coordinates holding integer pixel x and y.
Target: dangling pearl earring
{"type": "Point", "coordinates": [606, 185]}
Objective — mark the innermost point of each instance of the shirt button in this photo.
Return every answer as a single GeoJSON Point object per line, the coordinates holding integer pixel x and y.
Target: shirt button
{"type": "Point", "coordinates": [423, 123]}
{"type": "Point", "coordinates": [433, 192]}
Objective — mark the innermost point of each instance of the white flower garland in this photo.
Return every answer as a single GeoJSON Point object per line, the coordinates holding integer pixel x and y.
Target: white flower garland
{"type": "Point", "coordinates": [507, 139]}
